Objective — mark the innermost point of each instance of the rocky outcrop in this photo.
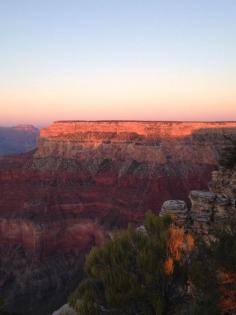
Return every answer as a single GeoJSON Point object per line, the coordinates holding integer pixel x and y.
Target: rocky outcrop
{"type": "Point", "coordinates": [85, 179]}
{"type": "Point", "coordinates": [177, 209]}
{"type": "Point", "coordinates": [208, 208]}
{"type": "Point", "coordinates": [65, 310]}
{"type": "Point", "coordinates": [224, 182]}
{"type": "Point", "coordinates": [217, 205]}
{"type": "Point", "coordinates": [203, 203]}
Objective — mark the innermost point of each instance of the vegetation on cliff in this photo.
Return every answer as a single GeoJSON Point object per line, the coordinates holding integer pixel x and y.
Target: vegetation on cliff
{"type": "Point", "coordinates": [213, 273]}
{"type": "Point", "coordinates": [3, 310]}
{"type": "Point", "coordinates": [160, 269]}
{"type": "Point", "coordinates": [139, 271]}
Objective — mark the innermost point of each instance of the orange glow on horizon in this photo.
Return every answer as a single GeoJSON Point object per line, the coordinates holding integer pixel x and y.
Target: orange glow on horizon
{"type": "Point", "coordinates": [118, 99]}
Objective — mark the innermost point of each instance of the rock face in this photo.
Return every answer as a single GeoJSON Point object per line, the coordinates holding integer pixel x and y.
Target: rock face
{"type": "Point", "coordinates": [224, 182]}
{"type": "Point", "coordinates": [153, 142]}
{"type": "Point", "coordinates": [130, 166]}
{"type": "Point", "coordinates": [202, 209]}
{"type": "Point", "coordinates": [208, 208]}
{"type": "Point", "coordinates": [217, 205]}
{"type": "Point", "coordinates": [18, 139]}
{"type": "Point", "coordinates": [84, 179]}
{"type": "Point", "coordinates": [177, 209]}
{"type": "Point", "coordinates": [65, 310]}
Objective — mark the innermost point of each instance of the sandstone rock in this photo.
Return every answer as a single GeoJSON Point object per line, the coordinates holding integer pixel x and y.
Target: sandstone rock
{"type": "Point", "coordinates": [221, 211]}
{"type": "Point", "coordinates": [152, 129]}
{"type": "Point", "coordinates": [202, 209]}
{"type": "Point", "coordinates": [214, 207]}
{"type": "Point", "coordinates": [141, 229]}
{"type": "Point", "coordinates": [224, 182]}
{"type": "Point", "coordinates": [65, 310]}
{"type": "Point", "coordinates": [177, 209]}
{"type": "Point", "coordinates": [202, 196]}
{"type": "Point", "coordinates": [208, 208]}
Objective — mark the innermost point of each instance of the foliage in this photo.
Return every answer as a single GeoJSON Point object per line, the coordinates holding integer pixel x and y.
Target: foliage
{"type": "Point", "coordinates": [203, 277]}
{"type": "Point", "coordinates": [225, 254]}
{"type": "Point", "coordinates": [3, 308]}
{"type": "Point", "coordinates": [213, 273]}
{"type": "Point", "coordinates": [225, 246]}
{"type": "Point", "coordinates": [161, 270]}
{"type": "Point", "coordinates": [137, 272]}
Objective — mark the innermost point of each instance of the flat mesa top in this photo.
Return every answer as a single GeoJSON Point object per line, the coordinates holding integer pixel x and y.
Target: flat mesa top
{"type": "Point", "coordinates": [144, 128]}
{"type": "Point", "coordinates": [147, 121]}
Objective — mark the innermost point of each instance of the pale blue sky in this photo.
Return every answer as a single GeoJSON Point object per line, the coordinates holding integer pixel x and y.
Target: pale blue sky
{"type": "Point", "coordinates": [66, 59]}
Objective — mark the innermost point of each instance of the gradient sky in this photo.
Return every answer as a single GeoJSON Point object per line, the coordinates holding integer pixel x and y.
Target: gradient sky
{"type": "Point", "coordinates": [117, 59]}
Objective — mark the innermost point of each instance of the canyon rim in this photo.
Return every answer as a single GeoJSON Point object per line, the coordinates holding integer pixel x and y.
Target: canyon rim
{"type": "Point", "coordinates": [84, 180]}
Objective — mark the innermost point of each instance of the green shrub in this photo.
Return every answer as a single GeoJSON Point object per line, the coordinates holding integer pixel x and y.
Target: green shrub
{"type": "Point", "coordinates": [160, 270]}
{"type": "Point", "coordinates": [137, 272]}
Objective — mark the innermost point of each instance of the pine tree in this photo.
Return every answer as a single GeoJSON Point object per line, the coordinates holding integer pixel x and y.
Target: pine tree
{"type": "Point", "coordinates": [137, 272]}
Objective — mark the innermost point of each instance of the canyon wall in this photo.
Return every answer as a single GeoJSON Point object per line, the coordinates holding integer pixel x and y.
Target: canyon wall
{"type": "Point", "coordinates": [209, 208]}
{"type": "Point", "coordinates": [117, 170]}
{"type": "Point", "coordinates": [84, 180]}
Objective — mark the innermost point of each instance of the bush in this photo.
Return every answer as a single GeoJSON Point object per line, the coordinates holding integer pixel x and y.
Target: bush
{"type": "Point", "coordinates": [203, 277]}
{"type": "Point", "coordinates": [160, 270]}
{"type": "Point", "coordinates": [137, 272]}
{"type": "Point", "coordinates": [213, 273]}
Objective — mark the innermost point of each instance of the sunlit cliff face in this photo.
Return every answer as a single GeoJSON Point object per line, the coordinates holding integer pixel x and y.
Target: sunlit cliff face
{"type": "Point", "coordinates": [86, 178]}
{"type": "Point", "coordinates": [140, 141]}
{"type": "Point", "coordinates": [143, 128]}
{"type": "Point", "coordinates": [113, 171]}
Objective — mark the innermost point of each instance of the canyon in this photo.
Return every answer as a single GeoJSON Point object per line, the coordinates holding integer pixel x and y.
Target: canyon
{"type": "Point", "coordinates": [18, 139]}
{"type": "Point", "coordinates": [210, 208]}
{"type": "Point", "coordinates": [85, 179]}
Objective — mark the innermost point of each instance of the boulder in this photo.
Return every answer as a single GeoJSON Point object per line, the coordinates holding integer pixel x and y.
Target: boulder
{"type": "Point", "coordinates": [177, 209]}
{"type": "Point", "coordinates": [65, 310]}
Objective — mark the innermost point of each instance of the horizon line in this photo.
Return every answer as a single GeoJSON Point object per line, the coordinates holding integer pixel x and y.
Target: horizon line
{"type": "Point", "coordinates": [139, 120]}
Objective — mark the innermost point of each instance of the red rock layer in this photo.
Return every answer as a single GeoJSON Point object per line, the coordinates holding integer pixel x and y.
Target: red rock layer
{"type": "Point", "coordinates": [147, 129]}
{"type": "Point", "coordinates": [96, 176]}
{"type": "Point", "coordinates": [87, 178]}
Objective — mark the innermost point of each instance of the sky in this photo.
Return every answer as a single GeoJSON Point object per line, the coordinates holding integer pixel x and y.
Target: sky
{"type": "Point", "coordinates": [117, 59]}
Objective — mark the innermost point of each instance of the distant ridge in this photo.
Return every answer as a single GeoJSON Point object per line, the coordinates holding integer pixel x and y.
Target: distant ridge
{"type": "Point", "coordinates": [18, 139]}
{"type": "Point", "coordinates": [145, 121]}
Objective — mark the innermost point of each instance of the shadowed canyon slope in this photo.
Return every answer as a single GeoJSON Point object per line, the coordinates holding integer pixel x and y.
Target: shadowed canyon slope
{"type": "Point", "coordinates": [84, 179]}
{"type": "Point", "coordinates": [18, 139]}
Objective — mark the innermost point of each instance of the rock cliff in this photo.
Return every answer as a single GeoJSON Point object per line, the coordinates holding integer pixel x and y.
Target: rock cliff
{"type": "Point", "coordinates": [121, 169]}
{"type": "Point", "coordinates": [84, 179]}
{"type": "Point", "coordinates": [208, 208]}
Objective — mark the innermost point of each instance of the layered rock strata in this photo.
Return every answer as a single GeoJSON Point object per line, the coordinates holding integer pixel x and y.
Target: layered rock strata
{"type": "Point", "coordinates": [85, 179]}
{"type": "Point", "coordinates": [208, 208]}
{"type": "Point", "coordinates": [177, 209]}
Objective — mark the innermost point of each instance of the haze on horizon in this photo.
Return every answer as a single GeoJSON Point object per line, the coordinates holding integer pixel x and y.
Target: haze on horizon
{"type": "Point", "coordinates": [126, 59]}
